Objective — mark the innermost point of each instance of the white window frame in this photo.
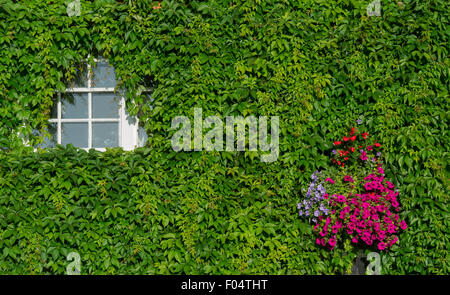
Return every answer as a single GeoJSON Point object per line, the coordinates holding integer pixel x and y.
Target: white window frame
{"type": "Point", "coordinates": [128, 126]}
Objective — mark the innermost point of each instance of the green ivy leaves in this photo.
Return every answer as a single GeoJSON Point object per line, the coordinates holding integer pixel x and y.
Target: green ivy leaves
{"type": "Point", "coordinates": [318, 65]}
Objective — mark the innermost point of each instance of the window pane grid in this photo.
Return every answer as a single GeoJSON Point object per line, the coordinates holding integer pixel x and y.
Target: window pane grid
{"type": "Point", "coordinates": [92, 121]}
{"type": "Point", "coordinates": [87, 89]}
{"type": "Point", "coordinates": [89, 108]}
{"type": "Point", "coordinates": [99, 120]}
{"type": "Point", "coordinates": [89, 120]}
{"type": "Point", "coordinates": [59, 119]}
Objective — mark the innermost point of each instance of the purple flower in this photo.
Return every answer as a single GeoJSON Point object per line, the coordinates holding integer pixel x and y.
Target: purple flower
{"type": "Point", "coordinates": [378, 154]}
{"type": "Point", "coordinates": [359, 122]}
{"type": "Point", "coordinates": [313, 205]}
{"type": "Point", "coordinates": [334, 152]}
{"type": "Point", "coordinates": [314, 176]}
{"type": "Point", "coordinates": [317, 196]}
{"type": "Point", "coordinates": [321, 189]}
{"type": "Point", "coordinates": [308, 194]}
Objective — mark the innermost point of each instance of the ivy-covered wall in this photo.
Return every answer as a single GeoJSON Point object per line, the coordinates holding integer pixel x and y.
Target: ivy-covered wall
{"type": "Point", "coordinates": [319, 65]}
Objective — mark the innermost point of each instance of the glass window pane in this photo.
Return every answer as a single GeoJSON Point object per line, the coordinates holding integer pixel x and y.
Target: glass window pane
{"type": "Point", "coordinates": [105, 105]}
{"type": "Point", "coordinates": [80, 79]}
{"type": "Point", "coordinates": [75, 133]}
{"type": "Point", "coordinates": [74, 106]}
{"type": "Point", "coordinates": [54, 111]}
{"type": "Point", "coordinates": [105, 135]}
{"type": "Point", "coordinates": [53, 140]}
{"type": "Point", "coordinates": [103, 75]}
{"type": "Point", "coordinates": [142, 136]}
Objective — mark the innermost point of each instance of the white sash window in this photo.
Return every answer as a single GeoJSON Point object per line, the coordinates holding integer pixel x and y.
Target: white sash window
{"type": "Point", "coordinates": [90, 115]}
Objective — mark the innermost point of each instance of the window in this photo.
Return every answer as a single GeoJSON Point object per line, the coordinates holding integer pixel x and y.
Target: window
{"type": "Point", "coordinates": [90, 115]}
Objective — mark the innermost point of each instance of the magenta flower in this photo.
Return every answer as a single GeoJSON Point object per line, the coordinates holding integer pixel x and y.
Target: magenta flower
{"type": "Point", "coordinates": [332, 242]}
{"type": "Point", "coordinates": [334, 229]}
{"type": "Point", "coordinates": [330, 180]}
{"type": "Point", "coordinates": [403, 225]}
{"type": "Point", "coordinates": [381, 246]}
{"type": "Point", "coordinates": [394, 240]}
{"type": "Point", "coordinates": [340, 199]}
{"type": "Point", "coordinates": [363, 156]}
{"type": "Point", "coordinates": [348, 178]}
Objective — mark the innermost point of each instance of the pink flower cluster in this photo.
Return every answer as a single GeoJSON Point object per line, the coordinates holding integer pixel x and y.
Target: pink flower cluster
{"type": "Point", "coordinates": [348, 178]}
{"type": "Point", "coordinates": [369, 218]}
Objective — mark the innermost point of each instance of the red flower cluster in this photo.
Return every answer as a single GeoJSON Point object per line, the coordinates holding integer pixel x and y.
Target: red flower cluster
{"type": "Point", "coordinates": [346, 148]}
{"type": "Point", "coordinates": [369, 217]}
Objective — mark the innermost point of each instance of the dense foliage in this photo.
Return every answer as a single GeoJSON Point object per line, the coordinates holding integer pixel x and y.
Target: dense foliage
{"type": "Point", "coordinates": [319, 65]}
